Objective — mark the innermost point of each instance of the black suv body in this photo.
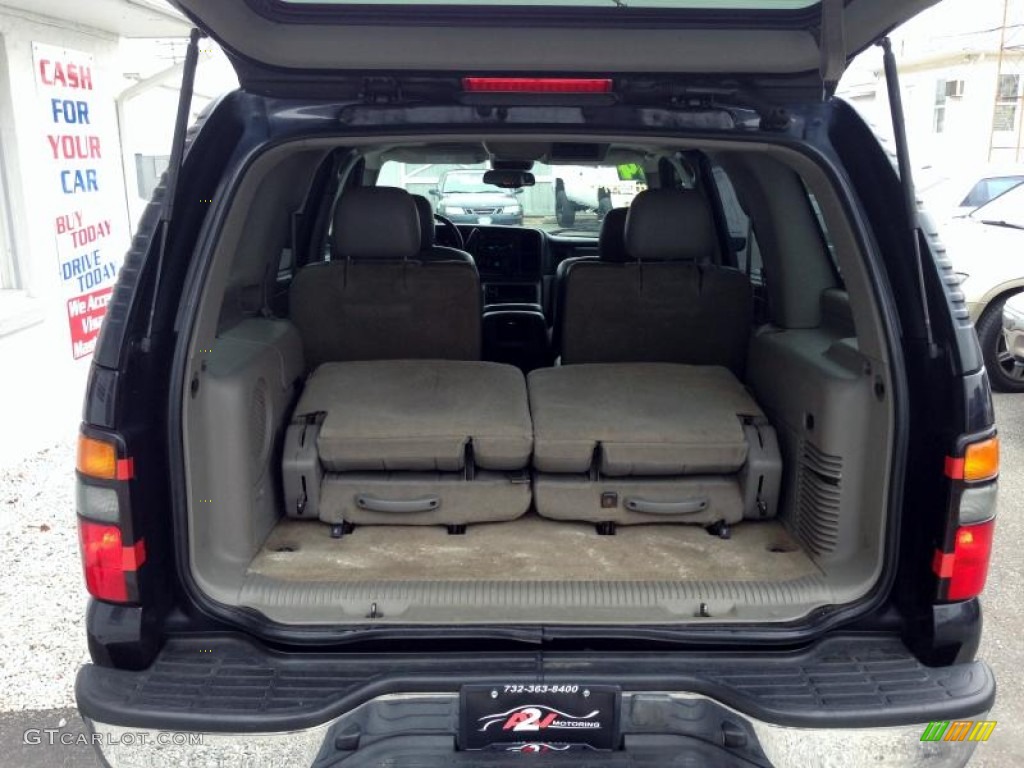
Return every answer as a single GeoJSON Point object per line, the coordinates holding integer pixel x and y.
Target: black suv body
{"type": "Point", "coordinates": [236, 687]}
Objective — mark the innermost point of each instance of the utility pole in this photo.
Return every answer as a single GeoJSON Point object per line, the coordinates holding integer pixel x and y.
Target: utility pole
{"type": "Point", "coordinates": [999, 80]}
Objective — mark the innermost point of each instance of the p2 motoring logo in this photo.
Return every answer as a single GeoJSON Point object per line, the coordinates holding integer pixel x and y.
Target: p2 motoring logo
{"type": "Point", "coordinates": [531, 718]}
{"type": "Point", "coordinates": [958, 730]}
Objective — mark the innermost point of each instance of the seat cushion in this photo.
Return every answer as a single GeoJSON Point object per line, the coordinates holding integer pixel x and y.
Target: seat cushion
{"type": "Point", "coordinates": [649, 418]}
{"type": "Point", "coordinates": [391, 415]}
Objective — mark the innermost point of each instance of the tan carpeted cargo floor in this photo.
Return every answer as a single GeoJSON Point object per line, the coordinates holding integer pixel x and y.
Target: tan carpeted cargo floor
{"type": "Point", "coordinates": [531, 549]}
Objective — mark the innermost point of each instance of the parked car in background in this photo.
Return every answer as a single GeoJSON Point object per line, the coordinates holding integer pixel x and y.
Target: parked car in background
{"type": "Point", "coordinates": [464, 198]}
{"type": "Point", "coordinates": [955, 194]}
{"type": "Point", "coordinates": [1012, 358]}
{"type": "Point", "coordinates": [987, 249]}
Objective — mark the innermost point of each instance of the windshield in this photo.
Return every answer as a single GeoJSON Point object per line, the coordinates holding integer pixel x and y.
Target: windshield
{"type": "Point", "coordinates": [1007, 209]}
{"type": "Point", "coordinates": [989, 189]}
{"type": "Point", "coordinates": [565, 199]}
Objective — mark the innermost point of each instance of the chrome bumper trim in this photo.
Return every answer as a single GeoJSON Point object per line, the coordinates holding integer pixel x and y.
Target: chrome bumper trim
{"type": "Point", "coordinates": [783, 746]}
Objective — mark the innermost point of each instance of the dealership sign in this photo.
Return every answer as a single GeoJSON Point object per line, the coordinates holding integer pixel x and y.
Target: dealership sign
{"type": "Point", "coordinates": [82, 176]}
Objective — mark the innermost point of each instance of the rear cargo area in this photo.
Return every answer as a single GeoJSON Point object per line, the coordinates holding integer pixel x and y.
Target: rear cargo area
{"type": "Point", "coordinates": [531, 549]}
{"type": "Point", "coordinates": [693, 442]}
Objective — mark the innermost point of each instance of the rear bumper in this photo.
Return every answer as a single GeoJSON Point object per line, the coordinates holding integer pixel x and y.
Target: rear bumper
{"type": "Point", "coordinates": [228, 702]}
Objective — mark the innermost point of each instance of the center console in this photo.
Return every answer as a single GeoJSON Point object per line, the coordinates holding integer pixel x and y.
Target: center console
{"type": "Point", "coordinates": [510, 262]}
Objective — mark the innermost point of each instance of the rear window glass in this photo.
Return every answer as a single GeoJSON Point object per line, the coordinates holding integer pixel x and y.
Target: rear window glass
{"type": "Point", "coordinates": [565, 199]}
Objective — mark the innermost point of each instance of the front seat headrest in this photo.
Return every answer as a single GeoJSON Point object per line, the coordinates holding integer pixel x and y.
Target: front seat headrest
{"type": "Point", "coordinates": [670, 225]}
{"type": "Point", "coordinates": [611, 244]}
{"type": "Point", "coordinates": [376, 223]}
{"type": "Point", "coordinates": [428, 232]}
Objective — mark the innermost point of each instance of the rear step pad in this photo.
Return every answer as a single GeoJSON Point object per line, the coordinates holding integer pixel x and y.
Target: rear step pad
{"type": "Point", "coordinates": [226, 684]}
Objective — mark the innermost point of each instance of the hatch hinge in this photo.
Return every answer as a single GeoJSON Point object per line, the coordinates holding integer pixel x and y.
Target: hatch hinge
{"type": "Point", "coordinates": [173, 172]}
{"type": "Point", "coordinates": [832, 43]}
{"type": "Point", "coordinates": [381, 90]}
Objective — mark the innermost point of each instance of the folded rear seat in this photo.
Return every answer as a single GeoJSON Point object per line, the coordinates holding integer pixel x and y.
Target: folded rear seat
{"type": "Point", "coordinates": [646, 420]}
{"type": "Point", "coordinates": [399, 423]}
{"type": "Point", "coordinates": [650, 442]}
{"type": "Point", "coordinates": [410, 442]}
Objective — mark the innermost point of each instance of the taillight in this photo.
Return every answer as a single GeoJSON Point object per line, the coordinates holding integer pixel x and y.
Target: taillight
{"type": "Point", "coordinates": [109, 563]}
{"type": "Point", "coordinates": [970, 560]}
{"type": "Point", "coordinates": [961, 563]}
{"type": "Point", "coordinates": [979, 462]}
{"type": "Point", "coordinates": [98, 459]}
{"type": "Point", "coordinates": [545, 85]}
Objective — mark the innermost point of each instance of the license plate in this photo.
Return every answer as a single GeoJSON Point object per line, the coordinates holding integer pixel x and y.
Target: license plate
{"type": "Point", "coordinates": [535, 717]}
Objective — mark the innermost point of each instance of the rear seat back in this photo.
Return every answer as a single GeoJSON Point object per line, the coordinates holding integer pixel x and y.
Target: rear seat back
{"type": "Point", "coordinates": [666, 302]}
{"type": "Point", "coordinates": [611, 248]}
{"type": "Point", "coordinates": [376, 300]}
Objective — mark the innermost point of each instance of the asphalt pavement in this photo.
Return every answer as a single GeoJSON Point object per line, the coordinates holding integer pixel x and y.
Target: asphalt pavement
{"type": "Point", "coordinates": [55, 738]}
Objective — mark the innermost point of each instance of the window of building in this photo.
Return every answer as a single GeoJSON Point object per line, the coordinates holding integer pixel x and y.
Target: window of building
{"type": "Point", "coordinates": [1005, 117]}
{"type": "Point", "coordinates": [939, 118]}
{"type": "Point", "coordinates": [944, 91]}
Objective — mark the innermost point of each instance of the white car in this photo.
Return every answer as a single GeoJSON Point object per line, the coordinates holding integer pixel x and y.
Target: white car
{"type": "Point", "coordinates": [597, 188]}
{"type": "Point", "coordinates": [987, 248]}
{"type": "Point", "coordinates": [1012, 359]}
{"type": "Point", "coordinates": [952, 195]}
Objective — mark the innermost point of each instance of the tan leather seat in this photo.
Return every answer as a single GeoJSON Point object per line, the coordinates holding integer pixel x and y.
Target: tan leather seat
{"type": "Point", "coordinates": [666, 301]}
{"type": "Point", "coordinates": [646, 420]}
{"type": "Point", "coordinates": [376, 299]}
{"type": "Point", "coordinates": [400, 422]}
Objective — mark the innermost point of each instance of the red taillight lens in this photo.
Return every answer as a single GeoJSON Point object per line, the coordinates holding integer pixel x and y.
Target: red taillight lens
{"type": "Point", "coordinates": [106, 560]}
{"type": "Point", "coordinates": [967, 567]}
{"type": "Point", "coordinates": [536, 85]}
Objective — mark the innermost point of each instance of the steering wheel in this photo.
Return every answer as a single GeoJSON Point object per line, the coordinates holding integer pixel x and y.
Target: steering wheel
{"type": "Point", "coordinates": [450, 234]}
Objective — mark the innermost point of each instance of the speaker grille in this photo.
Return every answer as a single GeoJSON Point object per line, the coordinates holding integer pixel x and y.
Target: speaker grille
{"type": "Point", "coordinates": [259, 423]}
{"type": "Point", "coordinates": [820, 493]}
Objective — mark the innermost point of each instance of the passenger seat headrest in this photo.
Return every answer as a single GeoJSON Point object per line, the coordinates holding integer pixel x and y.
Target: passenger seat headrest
{"type": "Point", "coordinates": [376, 223]}
{"type": "Point", "coordinates": [612, 242]}
{"type": "Point", "coordinates": [428, 232]}
{"type": "Point", "coordinates": [670, 225]}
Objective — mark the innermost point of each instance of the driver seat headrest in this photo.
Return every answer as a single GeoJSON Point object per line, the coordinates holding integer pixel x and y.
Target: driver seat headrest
{"type": "Point", "coordinates": [611, 244]}
{"type": "Point", "coordinates": [428, 232]}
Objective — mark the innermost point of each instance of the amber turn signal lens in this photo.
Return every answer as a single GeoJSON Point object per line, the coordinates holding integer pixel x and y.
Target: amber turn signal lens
{"type": "Point", "coordinates": [97, 458]}
{"type": "Point", "coordinates": [981, 460]}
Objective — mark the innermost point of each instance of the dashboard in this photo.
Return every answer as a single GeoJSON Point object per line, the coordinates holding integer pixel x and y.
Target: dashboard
{"type": "Point", "coordinates": [507, 253]}
{"type": "Point", "coordinates": [517, 264]}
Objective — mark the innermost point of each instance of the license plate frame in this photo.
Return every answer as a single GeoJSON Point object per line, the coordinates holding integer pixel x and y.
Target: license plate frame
{"type": "Point", "coordinates": [539, 717]}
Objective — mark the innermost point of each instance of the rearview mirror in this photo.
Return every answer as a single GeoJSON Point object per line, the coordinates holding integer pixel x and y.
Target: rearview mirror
{"type": "Point", "coordinates": [509, 179]}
